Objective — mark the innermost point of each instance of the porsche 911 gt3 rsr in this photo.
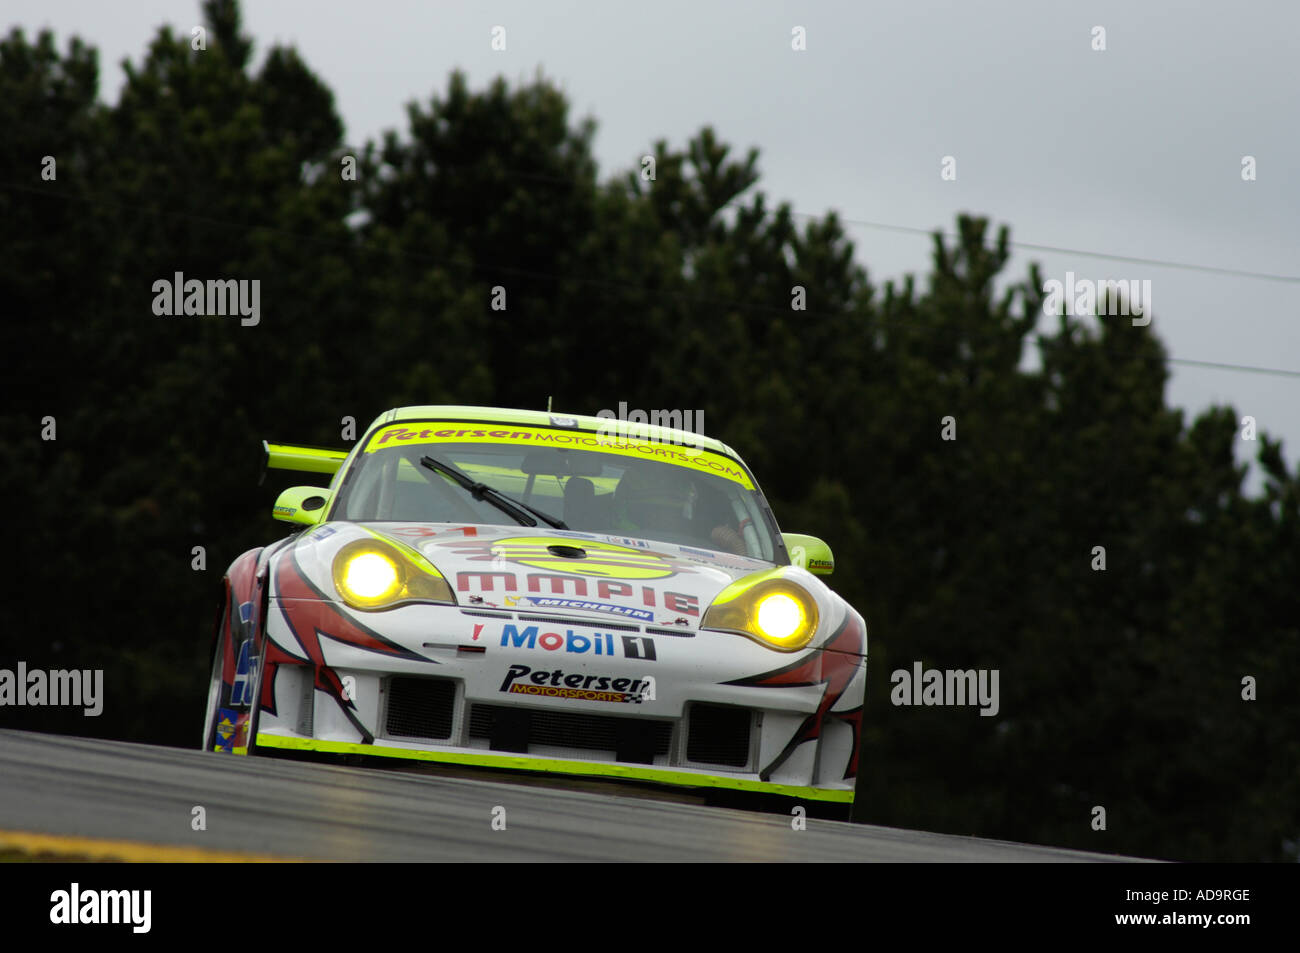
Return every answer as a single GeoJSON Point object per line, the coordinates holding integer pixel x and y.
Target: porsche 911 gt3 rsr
{"type": "Point", "coordinates": [517, 589]}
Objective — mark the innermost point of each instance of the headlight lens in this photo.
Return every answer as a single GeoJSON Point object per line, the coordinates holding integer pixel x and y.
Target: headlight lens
{"type": "Point", "coordinates": [767, 607]}
{"type": "Point", "coordinates": [375, 574]}
{"type": "Point", "coordinates": [369, 575]}
{"type": "Point", "coordinates": [779, 616]}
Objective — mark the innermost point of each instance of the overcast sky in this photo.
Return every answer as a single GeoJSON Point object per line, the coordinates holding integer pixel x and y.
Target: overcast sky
{"type": "Point", "coordinates": [1135, 150]}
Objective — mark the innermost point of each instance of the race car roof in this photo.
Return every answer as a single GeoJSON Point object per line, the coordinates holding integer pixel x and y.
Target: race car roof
{"type": "Point", "coordinates": [541, 418]}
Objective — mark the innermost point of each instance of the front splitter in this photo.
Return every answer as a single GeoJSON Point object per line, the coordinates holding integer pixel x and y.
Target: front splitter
{"type": "Point", "coordinates": [555, 766]}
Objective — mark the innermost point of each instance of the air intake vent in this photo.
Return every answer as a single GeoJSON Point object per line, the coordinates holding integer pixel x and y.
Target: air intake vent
{"type": "Point", "coordinates": [678, 633]}
{"type": "Point", "coordinates": [633, 740]}
{"type": "Point", "coordinates": [420, 708]}
{"type": "Point", "coordinates": [717, 734]}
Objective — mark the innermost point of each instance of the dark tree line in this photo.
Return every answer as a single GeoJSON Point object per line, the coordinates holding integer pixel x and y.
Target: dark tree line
{"type": "Point", "coordinates": [1120, 687]}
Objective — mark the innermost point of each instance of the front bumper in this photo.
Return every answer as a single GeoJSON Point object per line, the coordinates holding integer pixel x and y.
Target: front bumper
{"type": "Point", "coordinates": [567, 695]}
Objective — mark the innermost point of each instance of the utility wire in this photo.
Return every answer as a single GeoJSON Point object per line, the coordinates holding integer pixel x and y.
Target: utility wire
{"type": "Point", "coordinates": [687, 297]}
{"type": "Point", "coordinates": [1243, 368]}
{"type": "Point", "coordinates": [1056, 249]}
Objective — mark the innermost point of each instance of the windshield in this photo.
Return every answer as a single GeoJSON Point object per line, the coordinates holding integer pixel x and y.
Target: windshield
{"type": "Point", "coordinates": [594, 483]}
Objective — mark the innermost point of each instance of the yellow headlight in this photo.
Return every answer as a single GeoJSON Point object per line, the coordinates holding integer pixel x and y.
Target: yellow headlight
{"type": "Point", "coordinates": [767, 607]}
{"type": "Point", "coordinates": [374, 574]}
{"type": "Point", "coordinates": [370, 576]}
{"type": "Point", "coordinates": [779, 616]}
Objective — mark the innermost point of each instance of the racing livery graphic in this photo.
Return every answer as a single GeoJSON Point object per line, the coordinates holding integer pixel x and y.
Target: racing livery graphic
{"type": "Point", "coordinates": [519, 590]}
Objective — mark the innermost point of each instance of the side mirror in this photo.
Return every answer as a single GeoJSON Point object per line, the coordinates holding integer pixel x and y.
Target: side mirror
{"type": "Point", "coordinates": [301, 504]}
{"type": "Point", "coordinates": [810, 553]}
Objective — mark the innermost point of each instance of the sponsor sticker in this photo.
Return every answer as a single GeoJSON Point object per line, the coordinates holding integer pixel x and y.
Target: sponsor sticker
{"type": "Point", "coordinates": [416, 433]}
{"type": "Point", "coordinates": [627, 541]}
{"type": "Point", "coordinates": [551, 602]}
{"type": "Point", "coordinates": [573, 643]}
{"type": "Point", "coordinates": [602, 559]}
{"type": "Point", "coordinates": [232, 729]}
{"type": "Point", "coordinates": [524, 680]}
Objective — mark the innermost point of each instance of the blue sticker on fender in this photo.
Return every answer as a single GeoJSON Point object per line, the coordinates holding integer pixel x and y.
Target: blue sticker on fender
{"type": "Point", "coordinates": [241, 692]}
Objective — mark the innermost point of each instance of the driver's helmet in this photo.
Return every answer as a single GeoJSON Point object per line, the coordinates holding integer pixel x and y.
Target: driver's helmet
{"type": "Point", "coordinates": [658, 497]}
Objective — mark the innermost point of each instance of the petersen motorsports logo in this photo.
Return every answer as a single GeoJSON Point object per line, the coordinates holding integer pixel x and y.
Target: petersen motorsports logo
{"type": "Point", "coordinates": [578, 686]}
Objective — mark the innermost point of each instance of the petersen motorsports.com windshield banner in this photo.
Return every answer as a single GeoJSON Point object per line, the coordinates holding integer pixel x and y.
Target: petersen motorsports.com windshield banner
{"type": "Point", "coordinates": [434, 432]}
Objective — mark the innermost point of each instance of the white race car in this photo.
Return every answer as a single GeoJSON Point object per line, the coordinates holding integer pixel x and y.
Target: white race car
{"type": "Point", "coordinates": [518, 589]}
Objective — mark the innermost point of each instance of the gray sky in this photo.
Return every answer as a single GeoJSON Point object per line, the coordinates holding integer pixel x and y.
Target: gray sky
{"type": "Point", "coordinates": [1135, 150]}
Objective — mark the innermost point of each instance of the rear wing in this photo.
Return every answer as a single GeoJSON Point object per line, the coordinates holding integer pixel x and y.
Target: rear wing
{"type": "Point", "coordinates": [283, 456]}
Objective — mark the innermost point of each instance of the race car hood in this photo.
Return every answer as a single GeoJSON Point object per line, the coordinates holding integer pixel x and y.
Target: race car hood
{"type": "Point", "coordinates": [562, 572]}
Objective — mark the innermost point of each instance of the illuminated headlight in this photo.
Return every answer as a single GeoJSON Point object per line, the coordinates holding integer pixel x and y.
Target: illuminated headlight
{"type": "Point", "coordinates": [779, 616]}
{"type": "Point", "coordinates": [371, 576]}
{"type": "Point", "coordinates": [374, 574]}
{"type": "Point", "coordinates": [768, 608]}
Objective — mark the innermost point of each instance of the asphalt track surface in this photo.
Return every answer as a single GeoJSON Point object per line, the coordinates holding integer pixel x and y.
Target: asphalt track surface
{"type": "Point", "coordinates": [141, 797]}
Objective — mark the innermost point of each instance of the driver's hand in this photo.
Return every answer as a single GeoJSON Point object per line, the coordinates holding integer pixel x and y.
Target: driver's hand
{"type": "Point", "coordinates": [728, 540]}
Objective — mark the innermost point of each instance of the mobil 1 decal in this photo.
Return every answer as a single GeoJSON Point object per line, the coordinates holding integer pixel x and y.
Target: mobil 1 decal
{"type": "Point", "coordinates": [606, 644]}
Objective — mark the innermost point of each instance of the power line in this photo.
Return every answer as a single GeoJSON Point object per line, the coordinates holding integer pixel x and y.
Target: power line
{"type": "Point", "coordinates": [1157, 262]}
{"type": "Point", "coordinates": [1280, 372]}
{"type": "Point", "coordinates": [606, 283]}
{"type": "Point", "coordinates": [735, 204]}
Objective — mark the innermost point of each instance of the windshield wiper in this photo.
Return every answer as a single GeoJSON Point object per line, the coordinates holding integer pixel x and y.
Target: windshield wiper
{"type": "Point", "coordinates": [481, 491]}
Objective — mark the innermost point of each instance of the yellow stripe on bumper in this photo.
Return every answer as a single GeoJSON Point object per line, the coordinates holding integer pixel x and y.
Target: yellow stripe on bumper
{"type": "Point", "coordinates": [586, 768]}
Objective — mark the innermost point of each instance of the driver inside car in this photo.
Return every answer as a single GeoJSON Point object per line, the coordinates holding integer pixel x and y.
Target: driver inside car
{"type": "Point", "coordinates": [670, 502]}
